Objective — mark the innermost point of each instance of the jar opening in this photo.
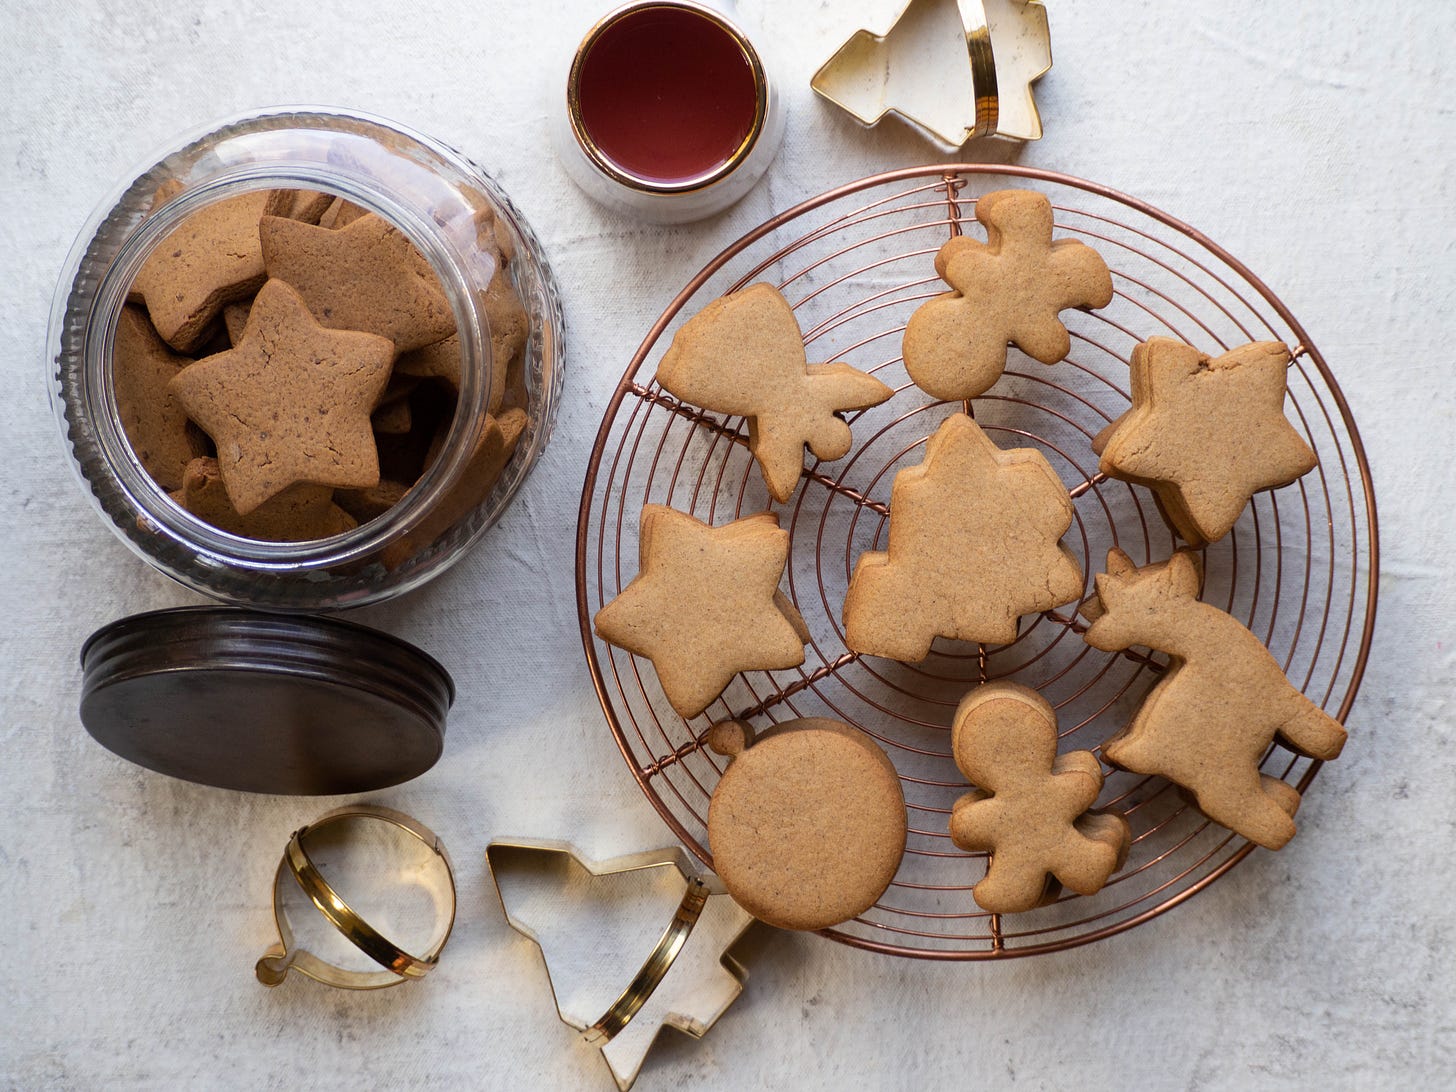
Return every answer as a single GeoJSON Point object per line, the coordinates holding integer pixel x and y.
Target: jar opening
{"type": "Point", "coordinates": [459, 269]}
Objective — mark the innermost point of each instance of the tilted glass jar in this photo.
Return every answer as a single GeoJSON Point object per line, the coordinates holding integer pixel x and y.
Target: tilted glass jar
{"type": "Point", "coordinates": [435, 196]}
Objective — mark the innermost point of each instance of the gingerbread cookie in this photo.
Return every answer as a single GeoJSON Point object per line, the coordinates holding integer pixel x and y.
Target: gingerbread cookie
{"type": "Point", "coordinates": [743, 355]}
{"type": "Point", "coordinates": [340, 213]}
{"type": "Point", "coordinates": [492, 451]}
{"type": "Point", "coordinates": [291, 403]}
{"type": "Point", "coordinates": [392, 418]}
{"type": "Point", "coordinates": [211, 258]}
{"type": "Point", "coordinates": [1029, 810]}
{"type": "Point", "coordinates": [367, 276]}
{"type": "Point", "coordinates": [151, 416]}
{"type": "Point", "coordinates": [166, 190]}
{"type": "Point", "coordinates": [1205, 434]}
{"type": "Point", "coordinates": [974, 545]}
{"type": "Point", "coordinates": [807, 825]}
{"type": "Point", "coordinates": [308, 206]}
{"type": "Point", "coordinates": [1009, 289]}
{"type": "Point", "coordinates": [509, 328]}
{"type": "Point", "coordinates": [235, 320]}
{"type": "Point", "coordinates": [297, 514]}
{"type": "Point", "coordinates": [367, 504]}
{"type": "Point", "coordinates": [706, 605]}
{"type": "Point", "coordinates": [1207, 722]}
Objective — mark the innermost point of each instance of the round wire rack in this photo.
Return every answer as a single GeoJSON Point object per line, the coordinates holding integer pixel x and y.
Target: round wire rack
{"type": "Point", "coordinates": [1299, 569]}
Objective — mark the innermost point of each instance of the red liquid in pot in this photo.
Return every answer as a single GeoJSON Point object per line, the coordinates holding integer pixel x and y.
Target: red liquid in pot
{"type": "Point", "coordinates": [667, 94]}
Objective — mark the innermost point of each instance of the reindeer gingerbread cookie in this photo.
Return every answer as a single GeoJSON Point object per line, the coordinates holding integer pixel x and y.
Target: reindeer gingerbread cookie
{"type": "Point", "coordinates": [1009, 289]}
{"type": "Point", "coordinates": [1030, 810]}
{"type": "Point", "coordinates": [1206, 724]}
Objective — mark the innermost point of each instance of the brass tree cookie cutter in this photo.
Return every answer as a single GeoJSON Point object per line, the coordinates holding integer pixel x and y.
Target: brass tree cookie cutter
{"type": "Point", "coordinates": [957, 69]}
{"type": "Point", "coordinates": [692, 1006]}
{"type": "Point", "coordinates": [396, 964]}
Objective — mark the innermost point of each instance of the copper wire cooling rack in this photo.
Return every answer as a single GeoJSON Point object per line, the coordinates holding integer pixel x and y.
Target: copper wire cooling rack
{"type": "Point", "coordinates": [1299, 569]}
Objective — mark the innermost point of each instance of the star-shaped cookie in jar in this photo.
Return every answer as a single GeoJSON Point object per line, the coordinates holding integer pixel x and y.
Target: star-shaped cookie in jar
{"type": "Point", "coordinates": [290, 403]}
{"type": "Point", "coordinates": [1205, 434]}
{"type": "Point", "coordinates": [706, 605]}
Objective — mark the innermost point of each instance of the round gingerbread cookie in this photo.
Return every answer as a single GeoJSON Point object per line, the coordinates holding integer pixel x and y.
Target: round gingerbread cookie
{"type": "Point", "coordinates": [807, 825]}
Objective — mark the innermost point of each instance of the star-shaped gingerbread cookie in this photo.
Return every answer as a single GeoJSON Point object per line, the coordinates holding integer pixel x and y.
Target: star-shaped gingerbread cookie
{"type": "Point", "coordinates": [974, 544]}
{"type": "Point", "coordinates": [291, 403]}
{"type": "Point", "coordinates": [1030, 806]}
{"type": "Point", "coordinates": [210, 259]}
{"type": "Point", "coordinates": [366, 276]}
{"type": "Point", "coordinates": [744, 355]}
{"type": "Point", "coordinates": [706, 605]}
{"type": "Point", "coordinates": [1009, 289]}
{"type": "Point", "coordinates": [1205, 434]}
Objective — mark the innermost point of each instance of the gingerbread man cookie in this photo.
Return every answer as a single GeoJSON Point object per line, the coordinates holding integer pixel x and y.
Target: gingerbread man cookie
{"type": "Point", "coordinates": [1205, 434]}
{"type": "Point", "coordinates": [1030, 808]}
{"type": "Point", "coordinates": [1009, 289]}
{"type": "Point", "coordinates": [291, 403]}
{"type": "Point", "coordinates": [1209, 719]}
{"type": "Point", "coordinates": [807, 825]}
{"type": "Point", "coordinates": [974, 544]}
{"type": "Point", "coordinates": [706, 605]}
{"type": "Point", "coordinates": [744, 355]}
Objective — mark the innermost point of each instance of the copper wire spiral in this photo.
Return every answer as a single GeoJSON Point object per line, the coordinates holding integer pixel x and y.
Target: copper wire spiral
{"type": "Point", "coordinates": [1299, 569]}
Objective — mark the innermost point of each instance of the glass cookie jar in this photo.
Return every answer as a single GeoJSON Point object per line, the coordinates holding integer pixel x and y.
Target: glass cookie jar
{"type": "Point", "coordinates": [458, 220]}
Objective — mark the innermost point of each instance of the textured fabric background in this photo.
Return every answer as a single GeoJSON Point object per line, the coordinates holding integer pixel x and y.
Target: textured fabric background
{"type": "Point", "coordinates": [1313, 140]}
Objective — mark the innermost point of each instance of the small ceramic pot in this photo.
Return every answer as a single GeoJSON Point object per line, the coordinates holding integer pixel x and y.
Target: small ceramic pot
{"type": "Point", "coordinates": [666, 110]}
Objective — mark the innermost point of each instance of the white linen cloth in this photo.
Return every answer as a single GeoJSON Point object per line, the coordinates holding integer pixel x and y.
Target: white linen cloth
{"type": "Point", "coordinates": [1313, 141]}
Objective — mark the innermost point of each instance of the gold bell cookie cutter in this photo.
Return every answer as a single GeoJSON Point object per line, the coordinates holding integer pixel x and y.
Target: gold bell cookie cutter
{"type": "Point", "coordinates": [687, 979]}
{"type": "Point", "coordinates": [956, 69]}
{"type": "Point", "coordinates": [298, 871]}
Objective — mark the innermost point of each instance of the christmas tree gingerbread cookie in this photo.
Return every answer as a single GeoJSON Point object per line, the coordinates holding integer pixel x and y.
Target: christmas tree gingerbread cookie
{"type": "Point", "coordinates": [1030, 807]}
{"type": "Point", "coordinates": [1205, 434]}
{"type": "Point", "coordinates": [744, 355]}
{"type": "Point", "coordinates": [706, 605]}
{"type": "Point", "coordinates": [974, 544]}
{"type": "Point", "coordinates": [1206, 724]}
{"type": "Point", "coordinates": [1009, 289]}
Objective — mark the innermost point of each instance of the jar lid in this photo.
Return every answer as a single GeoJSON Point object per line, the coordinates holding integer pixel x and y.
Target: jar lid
{"type": "Point", "coordinates": [268, 703]}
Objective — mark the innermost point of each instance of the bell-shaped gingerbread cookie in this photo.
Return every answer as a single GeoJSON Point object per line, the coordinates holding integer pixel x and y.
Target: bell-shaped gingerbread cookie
{"type": "Point", "coordinates": [744, 355]}
{"type": "Point", "coordinates": [1030, 807]}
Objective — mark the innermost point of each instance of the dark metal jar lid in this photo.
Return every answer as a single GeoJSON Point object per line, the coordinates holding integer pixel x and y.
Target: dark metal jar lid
{"type": "Point", "coordinates": [268, 703]}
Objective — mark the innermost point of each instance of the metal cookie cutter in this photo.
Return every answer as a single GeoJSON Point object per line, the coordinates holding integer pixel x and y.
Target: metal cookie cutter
{"type": "Point", "coordinates": [298, 871]}
{"type": "Point", "coordinates": [956, 69]}
{"type": "Point", "coordinates": [687, 979]}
